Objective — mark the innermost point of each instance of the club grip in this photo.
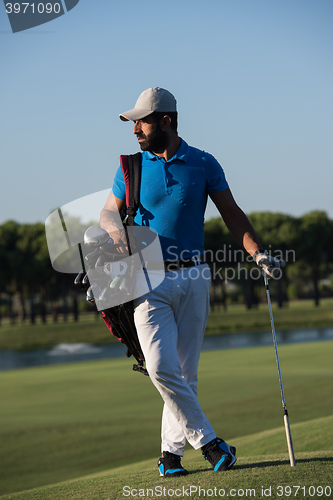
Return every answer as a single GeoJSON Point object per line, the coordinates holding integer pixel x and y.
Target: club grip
{"type": "Point", "coordinates": [289, 441]}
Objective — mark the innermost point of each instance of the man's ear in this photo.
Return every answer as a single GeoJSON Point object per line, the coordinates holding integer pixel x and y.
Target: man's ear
{"type": "Point", "coordinates": [165, 122]}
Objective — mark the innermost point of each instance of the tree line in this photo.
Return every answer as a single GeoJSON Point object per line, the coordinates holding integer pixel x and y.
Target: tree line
{"type": "Point", "coordinates": [305, 244]}
{"type": "Point", "coordinates": [29, 286]}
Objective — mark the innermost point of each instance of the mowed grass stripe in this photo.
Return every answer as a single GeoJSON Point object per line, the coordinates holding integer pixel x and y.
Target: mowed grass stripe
{"type": "Point", "coordinates": [308, 436]}
{"type": "Point", "coordinates": [61, 422]}
{"type": "Point", "coordinates": [248, 479]}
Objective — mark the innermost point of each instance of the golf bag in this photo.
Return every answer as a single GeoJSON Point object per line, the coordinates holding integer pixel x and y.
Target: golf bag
{"type": "Point", "coordinates": [120, 318]}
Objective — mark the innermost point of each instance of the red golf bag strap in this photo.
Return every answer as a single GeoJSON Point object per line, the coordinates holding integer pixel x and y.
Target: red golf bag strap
{"type": "Point", "coordinates": [109, 325]}
{"type": "Point", "coordinates": [131, 167]}
{"type": "Point", "coordinates": [120, 320]}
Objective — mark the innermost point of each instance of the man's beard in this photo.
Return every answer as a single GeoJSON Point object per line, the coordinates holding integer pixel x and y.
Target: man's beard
{"type": "Point", "coordinates": [155, 142]}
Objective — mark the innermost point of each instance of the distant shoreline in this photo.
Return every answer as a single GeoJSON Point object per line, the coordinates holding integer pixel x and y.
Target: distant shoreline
{"type": "Point", "coordinates": [91, 329]}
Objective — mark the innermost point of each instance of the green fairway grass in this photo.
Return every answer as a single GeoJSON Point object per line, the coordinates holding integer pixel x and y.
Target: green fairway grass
{"type": "Point", "coordinates": [259, 476]}
{"type": "Point", "coordinates": [298, 314]}
{"type": "Point", "coordinates": [91, 329]}
{"type": "Point", "coordinates": [67, 421]}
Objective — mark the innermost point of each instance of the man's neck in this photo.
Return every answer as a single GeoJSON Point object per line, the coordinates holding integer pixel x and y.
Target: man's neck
{"type": "Point", "coordinates": [171, 149]}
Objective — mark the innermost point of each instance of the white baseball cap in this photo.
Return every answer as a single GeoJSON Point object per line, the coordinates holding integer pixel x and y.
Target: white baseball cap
{"type": "Point", "coordinates": [153, 99]}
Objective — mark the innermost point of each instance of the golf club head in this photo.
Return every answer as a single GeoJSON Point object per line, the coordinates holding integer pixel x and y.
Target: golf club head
{"type": "Point", "coordinates": [104, 298]}
{"type": "Point", "coordinates": [99, 265]}
{"type": "Point", "coordinates": [79, 280]}
{"type": "Point", "coordinates": [125, 286]}
{"type": "Point", "coordinates": [97, 237]}
{"type": "Point", "coordinates": [92, 257]}
{"type": "Point", "coordinates": [115, 284]}
{"type": "Point", "coordinates": [93, 293]}
{"type": "Point", "coordinates": [86, 282]}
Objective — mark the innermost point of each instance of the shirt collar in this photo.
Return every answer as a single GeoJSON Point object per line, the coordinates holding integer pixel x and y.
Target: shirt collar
{"type": "Point", "coordinates": [181, 154]}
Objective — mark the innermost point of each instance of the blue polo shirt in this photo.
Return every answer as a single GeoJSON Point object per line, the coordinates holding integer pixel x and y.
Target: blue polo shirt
{"type": "Point", "coordinates": [173, 198]}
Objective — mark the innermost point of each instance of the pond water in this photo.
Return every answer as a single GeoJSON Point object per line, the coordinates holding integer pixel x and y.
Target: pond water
{"type": "Point", "coordinates": [69, 353]}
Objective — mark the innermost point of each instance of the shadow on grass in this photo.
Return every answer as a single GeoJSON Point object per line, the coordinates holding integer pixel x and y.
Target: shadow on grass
{"type": "Point", "coordinates": [271, 463]}
{"type": "Point", "coordinates": [195, 471]}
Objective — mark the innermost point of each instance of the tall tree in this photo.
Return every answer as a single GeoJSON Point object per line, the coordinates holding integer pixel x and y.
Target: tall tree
{"type": "Point", "coordinates": [278, 234]}
{"type": "Point", "coordinates": [11, 261]}
{"type": "Point", "coordinates": [315, 245]}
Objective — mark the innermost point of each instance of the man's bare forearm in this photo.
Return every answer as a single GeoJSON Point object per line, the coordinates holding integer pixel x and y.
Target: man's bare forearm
{"type": "Point", "coordinates": [242, 231]}
{"type": "Point", "coordinates": [110, 221]}
{"type": "Point", "coordinates": [236, 221]}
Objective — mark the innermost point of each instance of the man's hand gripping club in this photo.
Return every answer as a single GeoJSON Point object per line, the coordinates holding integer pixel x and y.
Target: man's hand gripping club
{"type": "Point", "coordinates": [270, 265]}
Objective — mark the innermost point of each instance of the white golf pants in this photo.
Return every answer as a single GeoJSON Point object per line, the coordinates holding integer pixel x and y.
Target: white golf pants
{"type": "Point", "coordinates": [171, 322]}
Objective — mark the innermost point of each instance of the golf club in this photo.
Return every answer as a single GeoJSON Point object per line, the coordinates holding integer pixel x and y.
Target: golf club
{"type": "Point", "coordinates": [285, 413]}
{"type": "Point", "coordinates": [97, 237]}
{"type": "Point", "coordinates": [93, 293]}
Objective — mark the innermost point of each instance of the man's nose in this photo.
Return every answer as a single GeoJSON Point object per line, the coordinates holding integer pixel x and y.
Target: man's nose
{"type": "Point", "coordinates": [137, 128]}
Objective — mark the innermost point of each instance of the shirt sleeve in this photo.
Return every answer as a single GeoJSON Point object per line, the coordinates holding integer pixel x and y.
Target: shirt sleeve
{"type": "Point", "coordinates": [216, 181]}
{"type": "Point", "coordinates": [118, 187]}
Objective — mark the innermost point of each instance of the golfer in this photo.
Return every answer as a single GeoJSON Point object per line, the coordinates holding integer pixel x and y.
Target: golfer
{"type": "Point", "coordinates": [171, 320]}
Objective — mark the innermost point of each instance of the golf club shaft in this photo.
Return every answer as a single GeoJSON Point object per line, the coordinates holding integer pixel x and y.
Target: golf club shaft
{"type": "Point", "coordinates": [285, 413]}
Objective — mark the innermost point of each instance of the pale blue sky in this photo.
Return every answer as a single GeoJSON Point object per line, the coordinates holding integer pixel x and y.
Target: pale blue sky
{"type": "Point", "coordinates": [253, 80]}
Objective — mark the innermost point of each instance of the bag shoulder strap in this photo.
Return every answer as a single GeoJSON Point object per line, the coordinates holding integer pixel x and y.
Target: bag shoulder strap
{"type": "Point", "coordinates": [131, 167]}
